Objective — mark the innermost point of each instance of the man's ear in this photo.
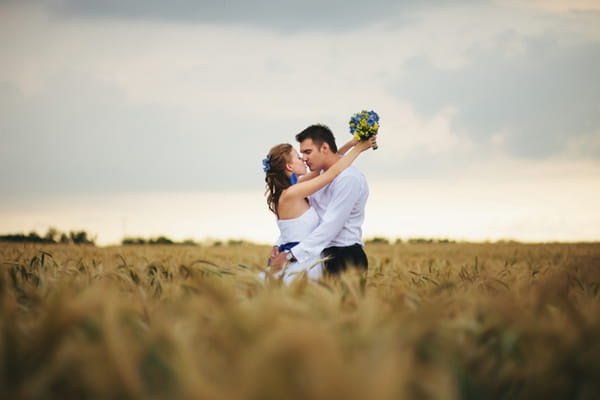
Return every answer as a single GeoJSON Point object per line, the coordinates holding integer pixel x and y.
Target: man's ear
{"type": "Point", "coordinates": [325, 148]}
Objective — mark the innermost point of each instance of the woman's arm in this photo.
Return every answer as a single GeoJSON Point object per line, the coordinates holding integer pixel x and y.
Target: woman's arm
{"type": "Point", "coordinates": [310, 175]}
{"type": "Point", "coordinates": [342, 150]}
{"type": "Point", "coordinates": [306, 188]}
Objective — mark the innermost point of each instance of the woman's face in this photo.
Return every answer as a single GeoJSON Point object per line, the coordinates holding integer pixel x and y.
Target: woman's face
{"type": "Point", "coordinates": [298, 166]}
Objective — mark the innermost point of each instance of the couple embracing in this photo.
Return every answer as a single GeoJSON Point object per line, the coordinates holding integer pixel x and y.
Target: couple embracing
{"type": "Point", "coordinates": [319, 214]}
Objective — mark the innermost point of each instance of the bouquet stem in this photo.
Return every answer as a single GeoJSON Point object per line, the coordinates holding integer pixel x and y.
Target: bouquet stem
{"type": "Point", "coordinates": [375, 146]}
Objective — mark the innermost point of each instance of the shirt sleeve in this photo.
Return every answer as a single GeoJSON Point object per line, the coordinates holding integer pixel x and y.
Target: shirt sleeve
{"type": "Point", "coordinates": [345, 193]}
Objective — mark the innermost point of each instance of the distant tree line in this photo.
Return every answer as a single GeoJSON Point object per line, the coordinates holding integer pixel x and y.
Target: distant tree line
{"type": "Point", "coordinates": [52, 236]}
{"type": "Point", "coordinates": [428, 240]}
{"type": "Point", "coordinates": [158, 240]}
{"type": "Point", "coordinates": [382, 240]}
{"type": "Point", "coordinates": [187, 242]}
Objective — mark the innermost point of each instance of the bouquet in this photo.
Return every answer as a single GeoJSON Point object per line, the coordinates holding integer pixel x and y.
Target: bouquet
{"type": "Point", "coordinates": [364, 124]}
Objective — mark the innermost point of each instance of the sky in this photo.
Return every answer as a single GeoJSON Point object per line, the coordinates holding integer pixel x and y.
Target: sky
{"type": "Point", "coordinates": [149, 117]}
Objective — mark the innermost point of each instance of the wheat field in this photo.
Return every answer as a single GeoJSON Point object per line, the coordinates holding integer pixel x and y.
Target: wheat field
{"type": "Point", "coordinates": [429, 321]}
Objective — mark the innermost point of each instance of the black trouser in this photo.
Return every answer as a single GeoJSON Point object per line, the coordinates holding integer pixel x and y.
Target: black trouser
{"type": "Point", "coordinates": [342, 257]}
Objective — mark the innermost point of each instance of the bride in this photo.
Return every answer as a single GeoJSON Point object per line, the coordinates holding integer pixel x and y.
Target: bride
{"type": "Point", "coordinates": [287, 189]}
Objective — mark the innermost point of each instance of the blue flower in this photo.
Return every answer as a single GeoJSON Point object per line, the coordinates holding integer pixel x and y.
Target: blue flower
{"type": "Point", "coordinates": [374, 115]}
{"type": "Point", "coordinates": [267, 164]}
{"type": "Point", "coordinates": [364, 124]}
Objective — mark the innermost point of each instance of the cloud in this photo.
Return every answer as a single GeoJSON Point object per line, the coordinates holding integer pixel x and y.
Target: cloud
{"type": "Point", "coordinates": [555, 5]}
{"type": "Point", "coordinates": [536, 92]}
{"type": "Point", "coordinates": [286, 16]}
{"type": "Point", "coordinates": [104, 104]}
{"type": "Point", "coordinates": [83, 135]}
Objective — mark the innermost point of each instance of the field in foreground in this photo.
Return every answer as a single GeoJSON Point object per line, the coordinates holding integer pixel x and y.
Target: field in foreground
{"type": "Point", "coordinates": [436, 321]}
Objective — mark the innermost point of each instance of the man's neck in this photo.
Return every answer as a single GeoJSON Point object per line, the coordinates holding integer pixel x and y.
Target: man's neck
{"type": "Point", "coordinates": [332, 159]}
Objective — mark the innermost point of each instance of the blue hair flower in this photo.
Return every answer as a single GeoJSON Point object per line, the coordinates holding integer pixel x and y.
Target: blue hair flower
{"type": "Point", "coordinates": [267, 164]}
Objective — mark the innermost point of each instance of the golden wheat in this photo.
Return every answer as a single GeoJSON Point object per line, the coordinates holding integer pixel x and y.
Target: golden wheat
{"type": "Point", "coordinates": [439, 321]}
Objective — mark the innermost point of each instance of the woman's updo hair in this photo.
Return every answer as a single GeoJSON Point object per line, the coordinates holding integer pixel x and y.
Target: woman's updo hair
{"type": "Point", "coordinates": [276, 179]}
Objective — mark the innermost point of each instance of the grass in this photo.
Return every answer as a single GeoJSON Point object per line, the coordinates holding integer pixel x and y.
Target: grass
{"type": "Point", "coordinates": [431, 320]}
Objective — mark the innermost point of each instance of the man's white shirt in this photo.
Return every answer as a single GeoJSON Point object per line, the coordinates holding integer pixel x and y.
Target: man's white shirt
{"type": "Point", "coordinates": [341, 208]}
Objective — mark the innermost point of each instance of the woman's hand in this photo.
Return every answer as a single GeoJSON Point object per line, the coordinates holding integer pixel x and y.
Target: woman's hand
{"type": "Point", "coordinates": [274, 252]}
{"type": "Point", "coordinates": [366, 144]}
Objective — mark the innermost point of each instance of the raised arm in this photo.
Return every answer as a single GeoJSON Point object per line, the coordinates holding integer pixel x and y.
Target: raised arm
{"type": "Point", "coordinates": [305, 188]}
{"type": "Point", "coordinates": [347, 146]}
{"type": "Point", "coordinates": [309, 176]}
{"type": "Point", "coordinates": [341, 151]}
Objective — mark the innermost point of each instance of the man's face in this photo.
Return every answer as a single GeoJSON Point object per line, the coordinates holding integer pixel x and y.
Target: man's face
{"type": "Point", "coordinates": [312, 155]}
{"type": "Point", "coordinates": [297, 163]}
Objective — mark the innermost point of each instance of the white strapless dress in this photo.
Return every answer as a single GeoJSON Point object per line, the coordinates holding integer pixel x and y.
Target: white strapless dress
{"type": "Point", "coordinates": [296, 230]}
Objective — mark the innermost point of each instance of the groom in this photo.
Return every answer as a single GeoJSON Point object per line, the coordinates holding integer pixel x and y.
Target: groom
{"type": "Point", "coordinates": [340, 205]}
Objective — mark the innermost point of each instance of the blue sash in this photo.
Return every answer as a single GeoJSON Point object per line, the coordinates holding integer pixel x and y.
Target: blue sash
{"type": "Point", "coordinates": [287, 246]}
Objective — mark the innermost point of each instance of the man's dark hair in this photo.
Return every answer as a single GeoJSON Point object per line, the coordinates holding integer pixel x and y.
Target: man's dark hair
{"type": "Point", "coordinates": [319, 134]}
